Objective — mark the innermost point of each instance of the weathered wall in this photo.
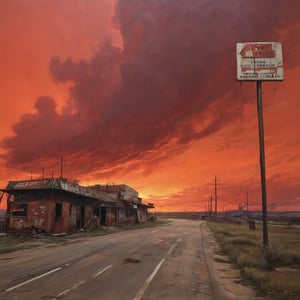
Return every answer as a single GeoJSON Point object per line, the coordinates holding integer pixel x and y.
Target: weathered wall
{"type": "Point", "coordinates": [72, 216]}
{"type": "Point", "coordinates": [54, 212]}
{"type": "Point", "coordinates": [38, 215]}
{"type": "Point", "coordinates": [111, 216]}
{"type": "Point", "coordinates": [122, 215]}
{"type": "Point", "coordinates": [143, 213]}
{"type": "Point", "coordinates": [132, 215]}
{"type": "Point", "coordinates": [58, 211]}
{"type": "Point", "coordinates": [60, 222]}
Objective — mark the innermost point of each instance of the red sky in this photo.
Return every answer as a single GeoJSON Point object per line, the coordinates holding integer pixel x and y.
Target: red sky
{"type": "Point", "coordinates": [145, 93]}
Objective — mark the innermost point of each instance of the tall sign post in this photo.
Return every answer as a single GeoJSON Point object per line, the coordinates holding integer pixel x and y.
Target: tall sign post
{"type": "Point", "coordinates": [260, 61]}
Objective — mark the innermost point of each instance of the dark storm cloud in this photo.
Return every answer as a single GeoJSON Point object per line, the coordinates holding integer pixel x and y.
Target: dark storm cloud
{"type": "Point", "coordinates": [176, 67]}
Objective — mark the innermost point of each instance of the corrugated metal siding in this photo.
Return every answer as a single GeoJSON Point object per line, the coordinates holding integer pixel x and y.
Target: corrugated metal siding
{"type": "Point", "coordinates": [143, 214]}
{"type": "Point", "coordinates": [132, 215]}
{"type": "Point", "coordinates": [122, 215]}
{"type": "Point", "coordinates": [111, 216]}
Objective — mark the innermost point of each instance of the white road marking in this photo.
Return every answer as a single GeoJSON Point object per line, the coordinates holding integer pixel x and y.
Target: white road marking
{"type": "Point", "coordinates": [101, 271]}
{"type": "Point", "coordinates": [33, 279]}
{"type": "Point", "coordinates": [78, 284]}
{"type": "Point", "coordinates": [74, 287]}
{"type": "Point", "coordinates": [171, 249]}
{"type": "Point", "coordinates": [141, 292]}
{"type": "Point", "coordinates": [154, 231]}
{"type": "Point", "coordinates": [173, 246]}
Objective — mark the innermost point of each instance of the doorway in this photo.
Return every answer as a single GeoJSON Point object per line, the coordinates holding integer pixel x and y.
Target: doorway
{"type": "Point", "coordinates": [82, 216]}
{"type": "Point", "coordinates": [103, 216]}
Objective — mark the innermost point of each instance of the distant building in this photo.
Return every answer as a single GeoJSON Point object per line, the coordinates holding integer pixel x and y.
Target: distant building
{"type": "Point", "coordinates": [130, 207]}
{"type": "Point", "coordinates": [56, 205]}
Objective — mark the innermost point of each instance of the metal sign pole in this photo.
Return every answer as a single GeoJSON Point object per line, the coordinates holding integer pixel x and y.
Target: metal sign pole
{"type": "Point", "coordinates": [262, 163]}
{"type": "Point", "coordinates": [260, 61]}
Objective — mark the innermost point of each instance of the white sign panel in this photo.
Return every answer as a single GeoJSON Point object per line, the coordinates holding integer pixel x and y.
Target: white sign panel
{"type": "Point", "coordinates": [259, 61]}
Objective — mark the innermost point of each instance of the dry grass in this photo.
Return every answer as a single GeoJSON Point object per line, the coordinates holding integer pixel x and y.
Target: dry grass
{"type": "Point", "coordinates": [275, 271]}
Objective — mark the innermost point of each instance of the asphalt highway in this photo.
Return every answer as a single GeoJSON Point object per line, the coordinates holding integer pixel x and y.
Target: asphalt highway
{"type": "Point", "coordinates": [163, 262]}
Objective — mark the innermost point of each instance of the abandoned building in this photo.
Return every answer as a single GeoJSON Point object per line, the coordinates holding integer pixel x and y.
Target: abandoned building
{"type": "Point", "coordinates": [57, 205]}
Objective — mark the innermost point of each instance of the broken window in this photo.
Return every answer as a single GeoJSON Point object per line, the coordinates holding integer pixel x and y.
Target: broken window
{"type": "Point", "coordinates": [58, 209]}
{"type": "Point", "coordinates": [19, 210]}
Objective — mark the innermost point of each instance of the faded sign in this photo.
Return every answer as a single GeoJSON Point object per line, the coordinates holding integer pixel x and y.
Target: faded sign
{"type": "Point", "coordinates": [30, 184]}
{"type": "Point", "coordinates": [259, 61]}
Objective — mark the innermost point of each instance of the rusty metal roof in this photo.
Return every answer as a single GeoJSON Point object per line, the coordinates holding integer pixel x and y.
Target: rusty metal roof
{"type": "Point", "coordinates": [59, 184]}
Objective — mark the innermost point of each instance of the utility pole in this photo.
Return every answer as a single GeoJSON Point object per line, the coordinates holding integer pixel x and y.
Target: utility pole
{"type": "Point", "coordinates": [262, 163]}
{"type": "Point", "coordinates": [216, 198]}
{"type": "Point", "coordinates": [260, 61]}
{"type": "Point", "coordinates": [210, 209]}
{"type": "Point", "coordinates": [207, 207]}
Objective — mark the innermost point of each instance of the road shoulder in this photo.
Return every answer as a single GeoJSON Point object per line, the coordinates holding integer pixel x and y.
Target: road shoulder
{"type": "Point", "coordinates": [226, 279]}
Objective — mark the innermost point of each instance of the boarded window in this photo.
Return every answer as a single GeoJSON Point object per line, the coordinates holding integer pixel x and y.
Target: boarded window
{"type": "Point", "coordinates": [19, 210]}
{"type": "Point", "coordinates": [58, 209]}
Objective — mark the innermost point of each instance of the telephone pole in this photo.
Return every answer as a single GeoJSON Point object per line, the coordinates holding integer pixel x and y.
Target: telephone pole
{"type": "Point", "coordinates": [262, 163]}
{"type": "Point", "coordinates": [260, 61]}
{"type": "Point", "coordinates": [216, 198]}
{"type": "Point", "coordinates": [210, 207]}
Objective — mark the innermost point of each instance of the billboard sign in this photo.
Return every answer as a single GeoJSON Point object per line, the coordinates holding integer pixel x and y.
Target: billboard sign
{"type": "Point", "coordinates": [259, 61]}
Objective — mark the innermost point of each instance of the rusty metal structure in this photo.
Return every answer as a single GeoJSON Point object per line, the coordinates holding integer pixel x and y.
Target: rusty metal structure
{"type": "Point", "coordinates": [57, 205]}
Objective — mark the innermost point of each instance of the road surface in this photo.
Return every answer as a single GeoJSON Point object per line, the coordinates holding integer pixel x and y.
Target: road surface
{"type": "Point", "coordinates": [172, 261]}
